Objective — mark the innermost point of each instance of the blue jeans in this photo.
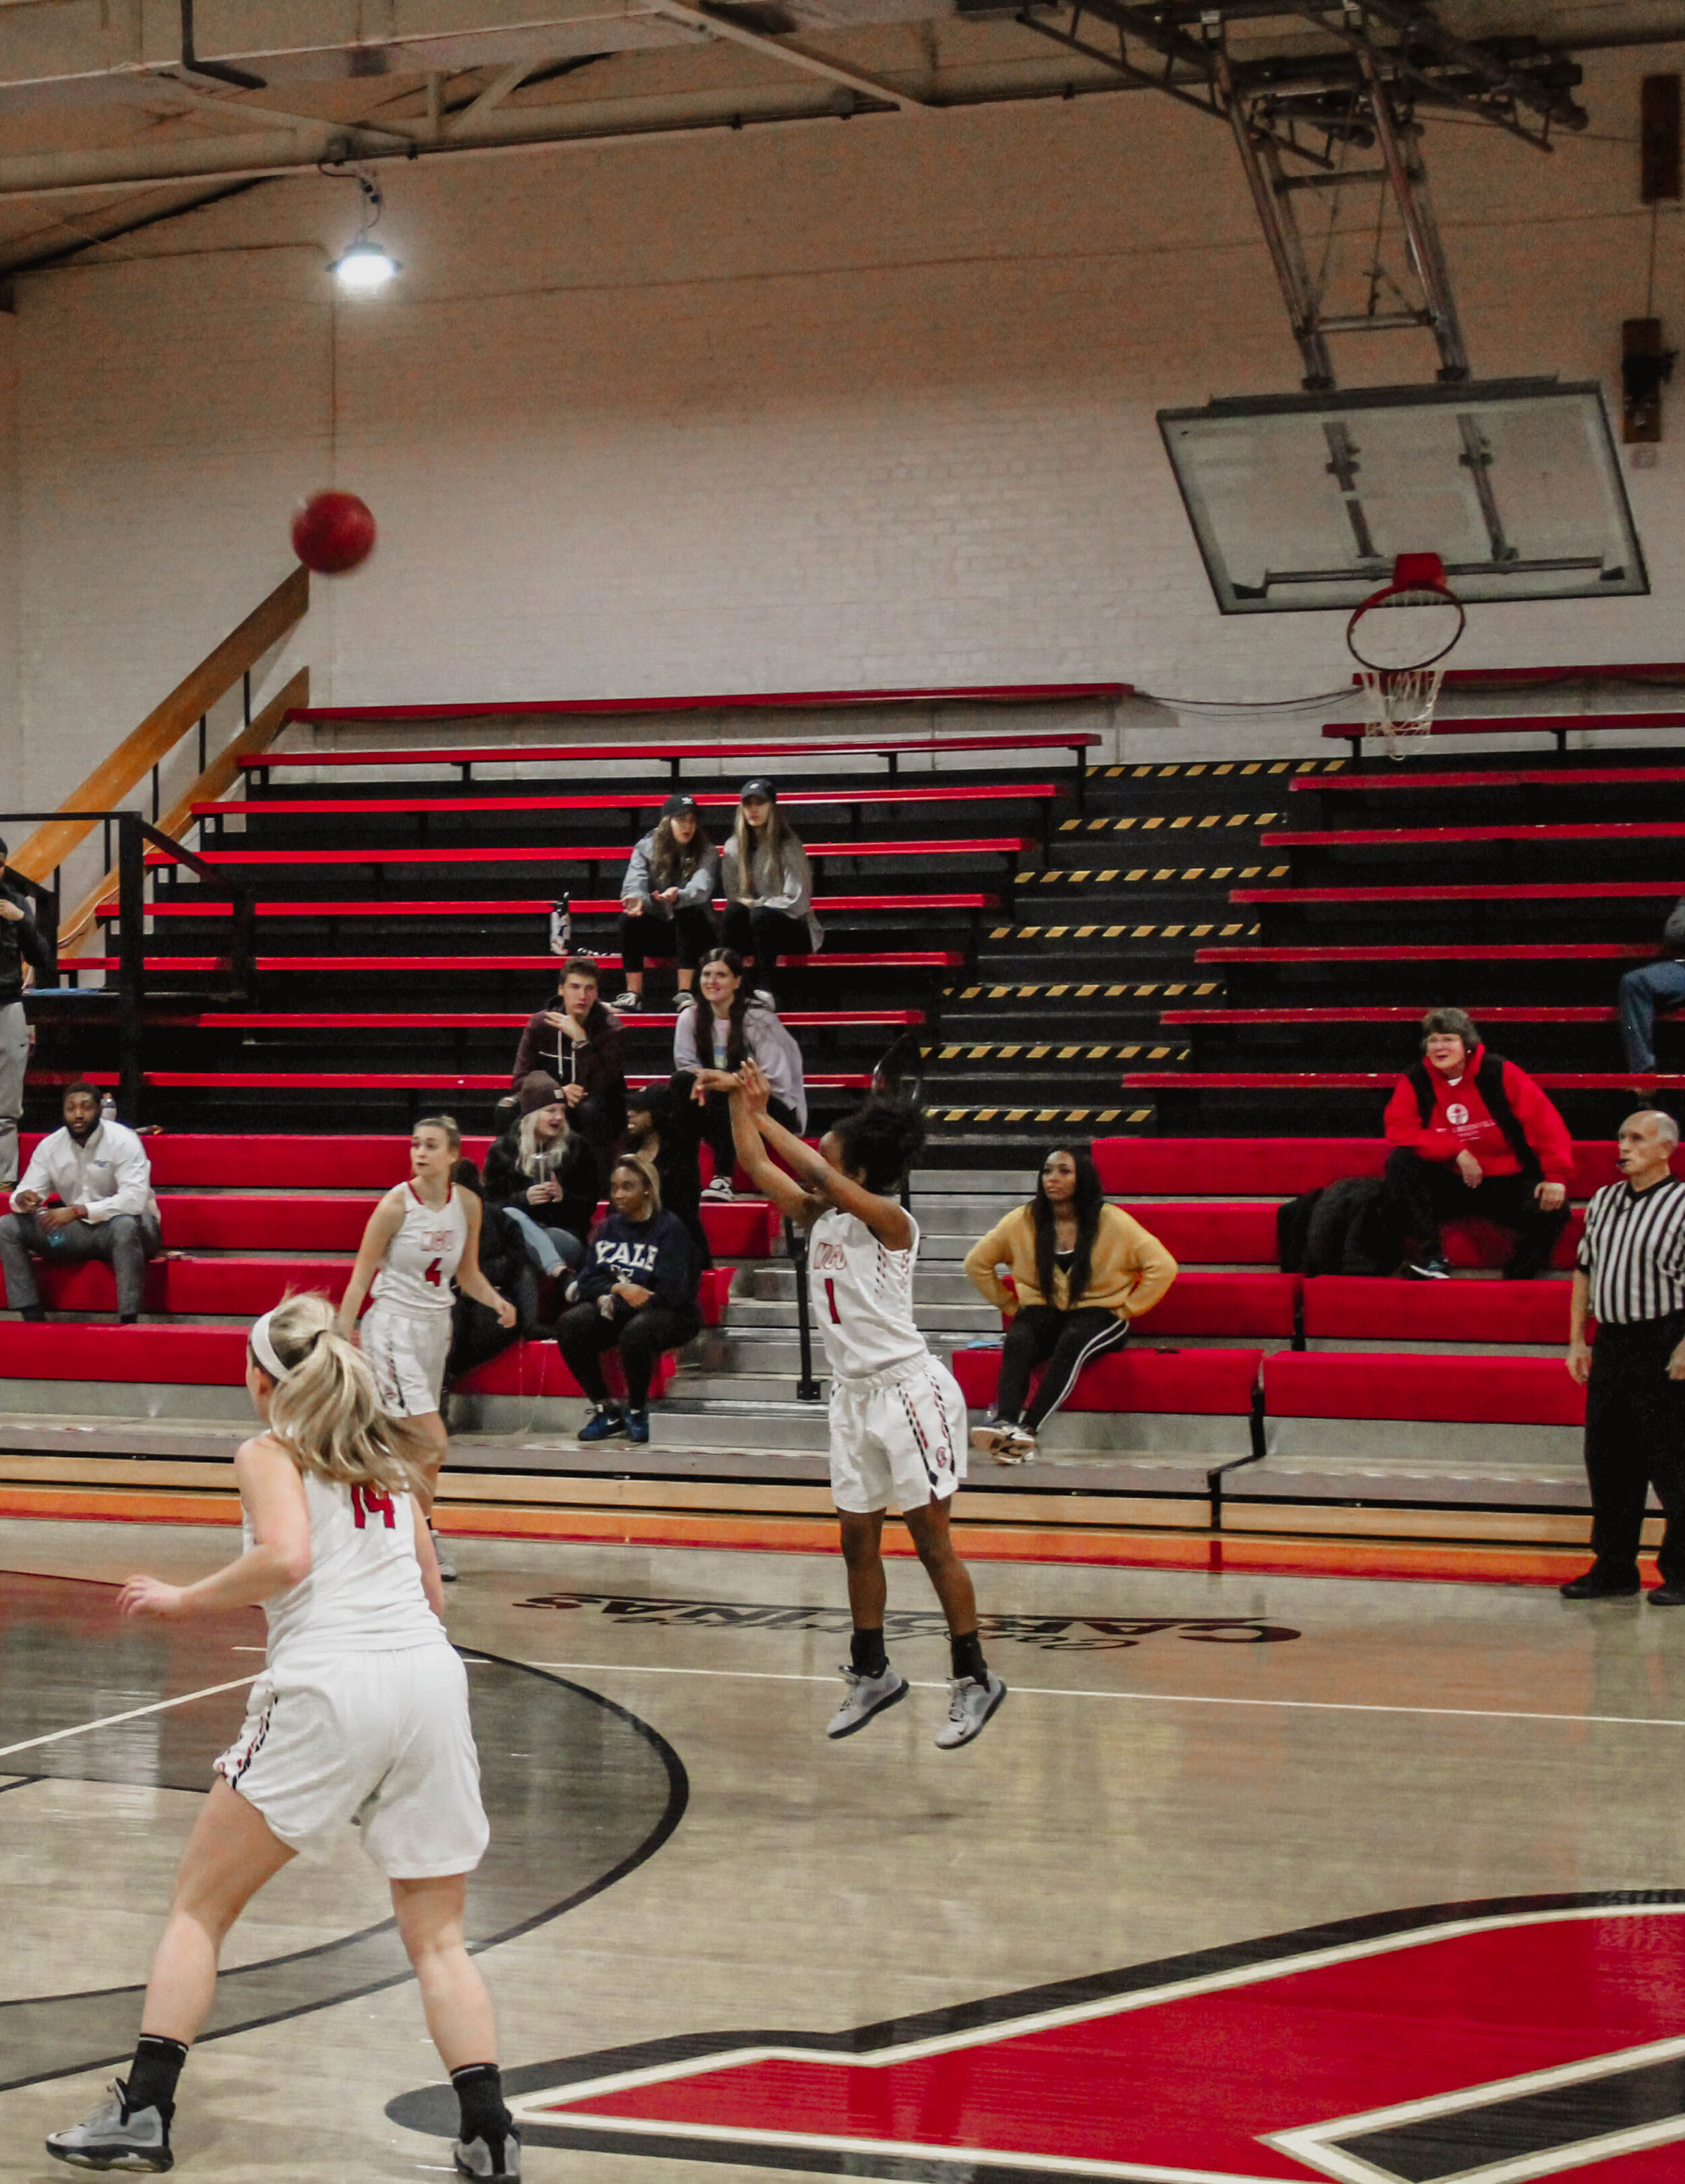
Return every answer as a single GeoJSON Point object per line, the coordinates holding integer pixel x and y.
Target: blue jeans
{"type": "Point", "coordinates": [550, 1250]}
{"type": "Point", "coordinates": [1656, 986]}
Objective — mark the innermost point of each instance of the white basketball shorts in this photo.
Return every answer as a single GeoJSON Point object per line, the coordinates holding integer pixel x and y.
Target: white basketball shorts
{"type": "Point", "coordinates": [380, 1741]}
{"type": "Point", "coordinates": [406, 1354]}
{"type": "Point", "coordinates": [898, 1440]}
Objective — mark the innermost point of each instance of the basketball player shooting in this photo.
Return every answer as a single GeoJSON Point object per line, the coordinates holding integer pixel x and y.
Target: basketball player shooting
{"type": "Point", "coordinates": [897, 1416]}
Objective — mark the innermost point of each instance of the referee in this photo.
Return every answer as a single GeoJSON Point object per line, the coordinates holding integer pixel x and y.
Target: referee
{"type": "Point", "coordinates": [1631, 1275]}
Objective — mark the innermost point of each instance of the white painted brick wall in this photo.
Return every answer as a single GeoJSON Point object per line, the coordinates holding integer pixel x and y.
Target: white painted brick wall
{"type": "Point", "coordinates": [858, 404]}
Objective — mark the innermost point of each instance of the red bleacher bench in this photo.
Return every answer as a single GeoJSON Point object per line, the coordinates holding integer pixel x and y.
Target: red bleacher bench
{"type": "Point", "coordinates": [1470, 891]}
{"type": "Point", "coordinates": [376, 1020]}
{"type": "Point", "coordinates": [1535, 1391]}
{"type": "Point", "coordinates": [1559, 725]}
{"type": "Point", "coordinates": [630, 800]}
{"type": "Point", "coordinates": [1275, 1167]}
{"type": "Point", "coordinates": [1448, 951]}
{"type": "Point", "coordinates": [871, 959]}
{"type": "Point", "coordinates": [1208, 1383]}
{"type": "Point", "coordinates": [616, 853]}
{"type": "Point", "coordinates": [1249, 1305]}
{"type": "Point", "coordinates": [1342, 1308]}
{"type": "Point", "coordinates": [1517, 830]}
{"type": "Point", "coordinates": [196, 905]}
{"type": "Point", "coordinates": [1309, 1018]}
{"type": "Point", "coordinates": [1575, 777]}
{"type": "Point", "coordinates": [536, 1369]}
{"type": "Point", "coordinates": [222, 1286]}
{"type": "Point", "coordinates": [1364, 1080]}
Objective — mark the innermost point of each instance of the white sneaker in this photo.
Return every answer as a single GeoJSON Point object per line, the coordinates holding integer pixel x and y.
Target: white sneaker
{"type": "Point", "coordinates": [446, 1569]}
{"type": "Point", "coordinates": [719, 1187]}
{"type": "Point", "coordinates": [867, 1696]}
{"type": "Point", "coordinates": [114, 2138]}
{"type": "Point", "coordinates": [1007, 1443]}
{"type": "Point", "coordinates": [684, 998]}
{"type": "Point", "coordinates": [627, 1003]}
{"type": "Point", "coordinates": [969, 1707]}
{"type": "Point", "coordinates": [478, 2157]}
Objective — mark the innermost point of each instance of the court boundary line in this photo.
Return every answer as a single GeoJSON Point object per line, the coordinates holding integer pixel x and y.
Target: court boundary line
{"type": "Point", "coordinates": [111, 1720]}
{"type": "Point", "coordinates": [1144, 1698]}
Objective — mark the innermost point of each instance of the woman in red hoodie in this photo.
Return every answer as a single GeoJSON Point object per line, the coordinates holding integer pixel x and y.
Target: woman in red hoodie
{"type": "Point", "coordinates": [1473, 1134]}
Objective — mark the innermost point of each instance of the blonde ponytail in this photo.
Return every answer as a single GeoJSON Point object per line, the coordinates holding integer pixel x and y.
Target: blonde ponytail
{"type": "Point", "coordinates": [327, 1410]}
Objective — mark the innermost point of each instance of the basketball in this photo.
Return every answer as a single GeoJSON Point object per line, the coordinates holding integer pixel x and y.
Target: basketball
{"type": "Point", "coordinates": [333, 533]}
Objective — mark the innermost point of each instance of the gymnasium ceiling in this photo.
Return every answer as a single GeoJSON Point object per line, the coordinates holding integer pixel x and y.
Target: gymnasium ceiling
{"type": "Point", "coordinates": [115, 114]}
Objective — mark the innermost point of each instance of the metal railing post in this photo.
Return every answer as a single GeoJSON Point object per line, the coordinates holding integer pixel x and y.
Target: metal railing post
{"type": "Point", "coordinates": [796, 1243]}
{"type": "Point", "coordinates": [132, 963]}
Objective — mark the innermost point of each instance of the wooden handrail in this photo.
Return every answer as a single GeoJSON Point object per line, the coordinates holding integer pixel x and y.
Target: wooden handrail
{"type": "Point", "coordinates": [116, 777]}
{"type": "Point", "coordinates": [256, 736]}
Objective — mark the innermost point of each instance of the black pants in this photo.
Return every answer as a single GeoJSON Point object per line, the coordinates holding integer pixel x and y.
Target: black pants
{"type": "Point", "coordinates": [717, 1127]}
{"type": "Point", "coordinates": [1429, 1192]}
{"type": "Point", "coordinates": [1069, 1341]}
{"type": "Point", "coordinates": [582, 1335]}
{"type": "Point", "coordinates": [1635, 1438]}
{"type": "Point", "coordinates": [765, 934]}
{"type": "Point", "coordinates": [688, 934]}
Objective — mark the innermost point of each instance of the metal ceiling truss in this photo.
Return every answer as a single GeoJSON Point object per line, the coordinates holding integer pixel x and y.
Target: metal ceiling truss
{"type": "Point", "coordinates": [1297, 120]}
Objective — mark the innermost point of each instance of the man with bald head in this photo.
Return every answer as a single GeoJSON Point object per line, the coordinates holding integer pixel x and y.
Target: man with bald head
{"type": "Point", "coordinates": [1630, 1278]}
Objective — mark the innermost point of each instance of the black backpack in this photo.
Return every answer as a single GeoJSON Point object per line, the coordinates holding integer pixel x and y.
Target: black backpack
{"type": "Point", "coordinates": [1352, 1227]}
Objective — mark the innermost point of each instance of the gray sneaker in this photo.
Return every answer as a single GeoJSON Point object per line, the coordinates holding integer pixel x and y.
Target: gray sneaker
{"type": "Point", "coordinates": [480, 2156]}
{"type": "Point", "coordinates": [970, 1708]}
{"type": "Point", "coordinates": [108, 2138]}
{"type": "Point", "coordinates": [446, 1569]}
{"type": "Point", "coordinates": [867, 1696]}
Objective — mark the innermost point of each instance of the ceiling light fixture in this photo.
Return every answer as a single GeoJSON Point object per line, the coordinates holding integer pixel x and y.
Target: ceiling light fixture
{"type": "Point", "coordinates": [365, 268]}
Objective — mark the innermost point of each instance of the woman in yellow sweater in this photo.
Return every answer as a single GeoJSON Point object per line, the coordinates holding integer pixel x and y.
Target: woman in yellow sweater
{"type": "Point", "coordinates": [1077, 1272]}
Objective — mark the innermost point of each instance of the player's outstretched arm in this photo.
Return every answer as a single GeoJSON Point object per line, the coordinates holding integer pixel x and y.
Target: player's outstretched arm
{"type": "Point", "coordinates": [752, 1129]}
{"type": "Point", "coordinates": [825, 1185]}
{"type": "Point", "coordinates": [272, 1496]}
{"type": "Point", "coordinates": [384, 1224]}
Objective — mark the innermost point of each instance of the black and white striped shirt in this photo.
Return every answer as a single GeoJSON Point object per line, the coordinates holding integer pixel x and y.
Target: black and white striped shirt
{"type": "Point", "coordinates": [1633, 1253]}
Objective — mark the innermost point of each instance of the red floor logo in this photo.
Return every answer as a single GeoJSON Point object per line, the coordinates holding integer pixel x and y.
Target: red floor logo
{"type": "Point", "coordinates": [1488, 2042]}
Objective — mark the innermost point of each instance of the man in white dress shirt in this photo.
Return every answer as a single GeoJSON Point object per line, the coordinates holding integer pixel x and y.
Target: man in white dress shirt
{"type": "Point", "coordinates": [102, 1178]}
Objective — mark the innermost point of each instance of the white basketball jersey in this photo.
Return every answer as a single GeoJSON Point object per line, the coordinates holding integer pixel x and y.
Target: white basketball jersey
{"type": "Point", "coordinates": [862, 1297]}
{"type": "Point", "coordinates": [416, 1274]}
{"type": "Point", "coordinates": [363, 1593]}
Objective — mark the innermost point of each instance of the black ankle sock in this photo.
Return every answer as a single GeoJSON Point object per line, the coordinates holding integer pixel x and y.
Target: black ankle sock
{"type": "Point", "coordinates": [968, 1656]}
{"type": "Point", "coordinates": [867, 1657]}
{"type": "Point", "coordinates": [152, 2074]}
{"type": "Point", "coordinates": [479, 2091]}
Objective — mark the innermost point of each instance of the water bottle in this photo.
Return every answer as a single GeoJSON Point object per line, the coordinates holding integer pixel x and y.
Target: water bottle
{"type": "Point", "coordinates": [108, 1109]}
{"type": "Point", "coordinates": [562, 927]}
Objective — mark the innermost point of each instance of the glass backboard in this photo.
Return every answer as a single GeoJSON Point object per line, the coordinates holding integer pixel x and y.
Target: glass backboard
{"type": "Point", "coordinates": [1305, 501]}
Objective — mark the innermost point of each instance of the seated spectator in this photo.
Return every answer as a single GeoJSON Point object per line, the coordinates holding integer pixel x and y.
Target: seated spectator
{"type": "Point", "coordinates": [1658, 985]}
{"type": "Point", "coordinates": [22, 950]}
{"type": "Point", "coordinates": [1078, 1272]}
{"type": "Point", "coordinates": [662, 1126]}
{"type": "Point", "coordinates": [546, 1177]}
{"type": "Point", "coordinates": [711, 1043]}
{"type": "Point", "coordinates": [1473, 1134]}
{"type": "Point", "coordinates": [477, 1334]}
{"type": "Point", "coordinates": [667, 900]}
{"type": "Point", "coordinates": [578, 1042]}
{"type": "Point", "coordinates": [768, 885]}
{"type": "Point", "coordinates": [636, 1294]}
{"type": "Point", "coordinates": [102, 1178]}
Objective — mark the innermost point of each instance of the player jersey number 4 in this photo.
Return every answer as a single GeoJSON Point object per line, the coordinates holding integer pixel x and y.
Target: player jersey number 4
{"type": "Point", "coordinates": [423, 1257]}
{"type": "Point", "coordinates": [862, 1297]}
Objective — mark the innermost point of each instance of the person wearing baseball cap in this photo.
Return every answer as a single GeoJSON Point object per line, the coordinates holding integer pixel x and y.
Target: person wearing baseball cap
{"type": "Point", "coordinates": [667, 900]}
{"type": "Point", "coordinates": [768, 885]}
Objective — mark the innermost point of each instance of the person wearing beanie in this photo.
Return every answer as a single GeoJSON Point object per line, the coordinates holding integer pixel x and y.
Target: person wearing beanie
{"type": "Point", "coordinates": [769, 886]}
{"type": "Point", "coordinates": [667, 900]}
{"type": "Point", "coordinates": [546, 1177]}
{"type": "Point", "coordinates": [1470, 1134]}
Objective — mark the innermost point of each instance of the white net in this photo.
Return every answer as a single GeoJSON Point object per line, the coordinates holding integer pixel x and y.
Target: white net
{"type": "Point", "coordinates": [1398, 702]}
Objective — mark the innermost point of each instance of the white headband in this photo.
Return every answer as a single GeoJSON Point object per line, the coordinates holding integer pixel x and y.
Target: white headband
{"type": "Point", "coordinates": [264, 1349]}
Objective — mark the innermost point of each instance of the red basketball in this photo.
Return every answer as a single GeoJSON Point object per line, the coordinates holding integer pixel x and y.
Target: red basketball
{"type": "Point", "coordinates": [333, 532]}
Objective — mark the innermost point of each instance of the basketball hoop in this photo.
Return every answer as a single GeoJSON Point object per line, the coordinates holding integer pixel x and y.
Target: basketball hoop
{"type": "Point", "coordinates": [1399, 638]}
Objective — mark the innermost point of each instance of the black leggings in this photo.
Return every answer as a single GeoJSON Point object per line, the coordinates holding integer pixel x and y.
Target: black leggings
{"type": "Point", "coordinates": [765, 934]}
{"type": "Point", "coordinates": [688, 934]}
{"type": "Point", "coordinates": [1069, 1341]}
{"type": "Point", "coordinates": [582, 1335]}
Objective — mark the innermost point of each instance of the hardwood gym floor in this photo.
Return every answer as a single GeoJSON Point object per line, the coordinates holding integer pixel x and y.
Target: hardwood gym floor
{"type": "Point", "coordinates": [1264, 1791]}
